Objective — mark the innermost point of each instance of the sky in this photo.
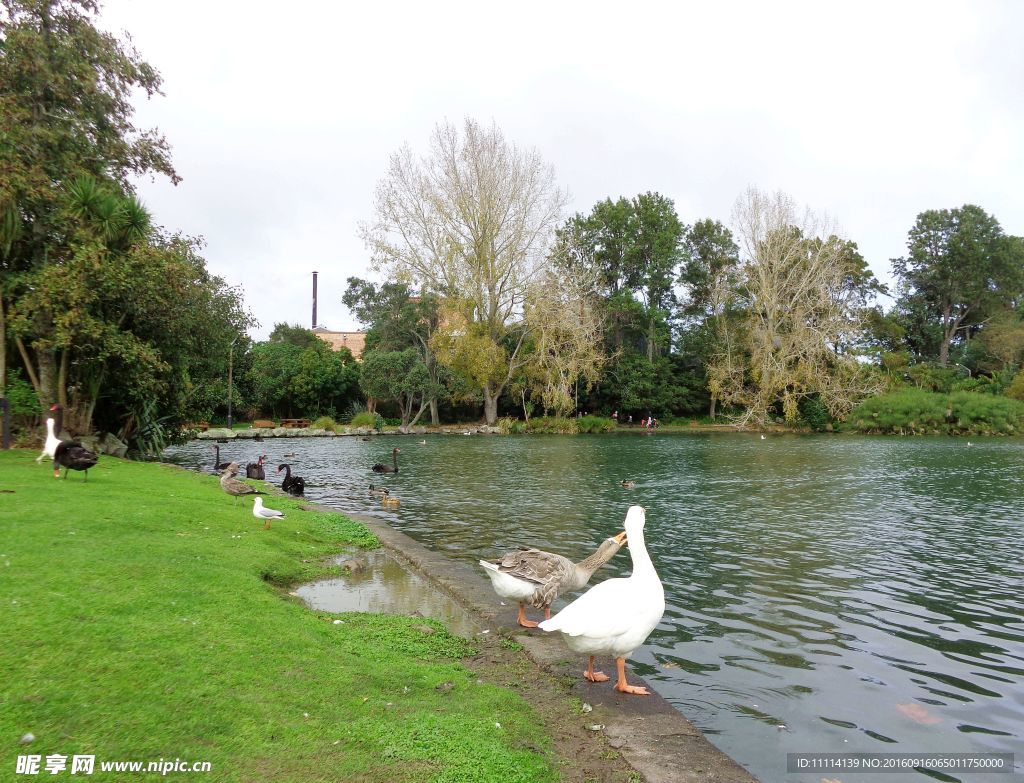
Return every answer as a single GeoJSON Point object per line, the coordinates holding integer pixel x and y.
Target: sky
{"type": "Point", "coordinates": [282, 118]}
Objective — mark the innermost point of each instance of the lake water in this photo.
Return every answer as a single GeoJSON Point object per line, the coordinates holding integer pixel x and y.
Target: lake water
{"type": "Point", "coordinates": [824, 593]}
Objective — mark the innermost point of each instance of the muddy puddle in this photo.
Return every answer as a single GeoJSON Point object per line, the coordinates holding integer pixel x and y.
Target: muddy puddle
{"type": "Point", "coordinates": [386, 587]}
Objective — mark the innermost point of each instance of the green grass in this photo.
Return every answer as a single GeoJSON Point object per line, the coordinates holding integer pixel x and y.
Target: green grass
{"type": "Point", "coordinates": [142, 620]}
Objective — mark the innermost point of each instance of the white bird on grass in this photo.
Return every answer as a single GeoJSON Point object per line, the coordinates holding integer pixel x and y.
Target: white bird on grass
{"type": "Point", "coordinates": [616, 616]}
{"type": "Point", "coordinates": [52, 441]}
{"type": "Point", "coordinates": [266, 514]}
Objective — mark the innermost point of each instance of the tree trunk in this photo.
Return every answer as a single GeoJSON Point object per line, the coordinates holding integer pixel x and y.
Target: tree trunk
{"type": "Point", "coordinates": [490, 405]}
{"type": "Point", "coordinates": [434, 418]}
{"type": "Point", "coordinates": [47, 378]}
{"type": "Point", "coordinates": [711, 411]}
{"type": "Point", "coordinates": [3, 351]}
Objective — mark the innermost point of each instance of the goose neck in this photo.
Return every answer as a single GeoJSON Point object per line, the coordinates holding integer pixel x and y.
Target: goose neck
{"type": "Point", "coordinates": [642, 564]}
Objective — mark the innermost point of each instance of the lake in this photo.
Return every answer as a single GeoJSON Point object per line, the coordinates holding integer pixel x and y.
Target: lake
{"type": "Point", "coordinates": [824, 593]}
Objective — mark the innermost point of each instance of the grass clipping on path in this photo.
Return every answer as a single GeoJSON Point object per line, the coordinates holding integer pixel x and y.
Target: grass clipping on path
{"type": "Point", "coordinates": [141, 621]}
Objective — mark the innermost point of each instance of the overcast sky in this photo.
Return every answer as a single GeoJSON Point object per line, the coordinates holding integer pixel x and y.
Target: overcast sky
{"type": "Point", "coordinates": [282, 118]}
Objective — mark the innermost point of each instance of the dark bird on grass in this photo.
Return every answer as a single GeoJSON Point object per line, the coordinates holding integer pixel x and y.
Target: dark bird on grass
{"type": "Point", "coordinates": [293, 485]}
{"type": "Point", "coordinates": [380, 467]}
{"type": "Point", "coordinates": [233, 486]}
{"type": "Point", "coordinates": [254, 470]}
{"type": "Point", "coordinates": [218, 466]}
{"type": "Point", "coordinates": [72, 455]}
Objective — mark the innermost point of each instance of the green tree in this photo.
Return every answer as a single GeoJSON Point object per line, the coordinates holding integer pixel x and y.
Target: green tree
{"type": "Point", "coordinates": [293, 334]}
{"type": "Point", "coordinates": [399, 318]}
{"type": "Point", "coordinates": [65, 111]}
{"type": "Point", "coordinates": [401, 376]}
{"type": "Point", "coordinates": [959, 268]}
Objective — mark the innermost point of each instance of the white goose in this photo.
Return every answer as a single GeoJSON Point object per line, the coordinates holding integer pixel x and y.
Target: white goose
{"type": "Point", "coordinates": [52, 441]}
{"type": "Point", "coordinates": [616, 616]}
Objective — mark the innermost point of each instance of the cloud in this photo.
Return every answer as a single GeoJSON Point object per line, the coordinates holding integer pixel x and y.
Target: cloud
{"type": "Point", "coordinates": [282, 121]}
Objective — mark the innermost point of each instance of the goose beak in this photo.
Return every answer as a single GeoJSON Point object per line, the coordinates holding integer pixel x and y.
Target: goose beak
{"type": "Point", "coordinates": [620, 539]}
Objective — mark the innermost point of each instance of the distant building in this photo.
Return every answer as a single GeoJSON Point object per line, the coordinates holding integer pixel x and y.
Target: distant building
{"type": "Point", "coordinates": [354, 341]}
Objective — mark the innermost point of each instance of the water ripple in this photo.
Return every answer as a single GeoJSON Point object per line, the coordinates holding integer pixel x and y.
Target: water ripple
{"type": "Point", "coordinates": [866, 594]}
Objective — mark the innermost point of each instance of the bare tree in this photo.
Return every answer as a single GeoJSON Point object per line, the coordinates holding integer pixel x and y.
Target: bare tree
{"type": "Point", "coordinates": [564, 316]}
{"type": "Point", "coordinates": [471, 221]}
{"type": "Point", "coordinates": [794, 310]}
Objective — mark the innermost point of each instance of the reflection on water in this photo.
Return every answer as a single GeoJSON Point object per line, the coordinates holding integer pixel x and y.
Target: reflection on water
{"type": "Point", "coordinates": [385, 587]}
{"type": "Point", "coordinates": [823, 593]}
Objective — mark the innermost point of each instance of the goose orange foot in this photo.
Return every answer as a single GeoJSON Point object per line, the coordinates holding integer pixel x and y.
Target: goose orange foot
{"type": "Point", "coordinates": [593, 676]}
{"type": "Point", "coordinates": [622, 686]}
{"type": "Point", "coordinates": [521, 619]}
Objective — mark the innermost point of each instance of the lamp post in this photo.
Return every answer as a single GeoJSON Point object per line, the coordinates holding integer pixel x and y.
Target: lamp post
{"type": "Point", "coordinates": [231, 364]}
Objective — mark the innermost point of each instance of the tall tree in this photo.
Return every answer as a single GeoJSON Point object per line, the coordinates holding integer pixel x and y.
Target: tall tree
{"type": "Point", "coordinates": [653, 253]}
{"type": "Point", "coordinates": [65, 112]}
{"type": "Point", "coordinates": [960, 268]}
{"type": "Point", "coordinates": [399, 318]}
{"type": "Point", "coordinates": [471, 221]}
{"type": "Point", "coordinates": [797, 308]}
{"type": "Point", "coordinates": [708, 273]}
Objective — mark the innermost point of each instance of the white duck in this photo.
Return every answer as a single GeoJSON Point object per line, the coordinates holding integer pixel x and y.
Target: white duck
{"type": "Point", "coordinates": [616, 616]}
{"type": "Point", "coordinates": [52, 441]}
{"type": "Point", "coordinates": [266, 514]}
{"type": "Point", "coordinates": [539, 577]}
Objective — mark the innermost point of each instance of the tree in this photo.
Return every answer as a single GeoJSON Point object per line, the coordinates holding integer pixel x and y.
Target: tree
{"type": "Point", "coordinates": [708, 272]}
{"type": "Point", "coordinates": [797, 309]}
{"type": "Point", "coordinates": [471, 222]}
{"type": "Point", "coordinates": [293, 334]}
{"type": "Point", "coordinates": [65, 113]}
{"type": "Point", "coordinates": [401, 376]}
{"type": "Point", "coordinates": [653, 253]}
{"type": "Point", "coordinates": [399, 318]}
{"type": "Point", "coordinates": [960, 267]}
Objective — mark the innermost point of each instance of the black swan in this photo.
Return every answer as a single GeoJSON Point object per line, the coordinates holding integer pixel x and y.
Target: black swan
{"type": "Point", "coordinates": [293, 485]}
{"type": "Point", "coordinates": [218, 466]}
{"type": "Point", "coordinates": [72, 455]}
{"type": "Point", "coordinates": [254, 470]}
{"type": "Point", "coordinates": [380, 467]}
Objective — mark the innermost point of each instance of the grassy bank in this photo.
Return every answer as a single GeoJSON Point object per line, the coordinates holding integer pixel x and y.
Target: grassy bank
{"type": "Point", "coordinates": [143, 619]}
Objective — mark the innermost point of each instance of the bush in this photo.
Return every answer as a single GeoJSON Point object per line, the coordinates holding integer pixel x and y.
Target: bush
{"type": "Point", "coordinates": [595, 424]}
{"type": "Point", "coordinates": [552, 424]}
{"type": "Point", "coordinates": [366, 419]}
{"type": "Point", "coordinates": [510, 426]}
{"type": "Point", "coordinates": [920, 412]}
{"type": "Point", "coordinates": [1016, 388]}
{"type": "Point", "coordinates": [325, 423]}
{"type": "Point", "coordinates": [814, 414]}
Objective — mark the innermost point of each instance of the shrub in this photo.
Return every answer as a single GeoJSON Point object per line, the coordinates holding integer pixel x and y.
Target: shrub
{"type": "Point", "coordinates": [1016, 388]}
{"type": "Point", "coordinates": [510, 426]}
{"type": "Point", "coordinates": [354, 409]}
{"type": "Point", "coordinates": [920, 412]}
{"type": "Point", "coordinates": [324, 423]}
{"type": "Point", "coordinates": [365, 419]}
{"type": "Point", "coordinates": [552, 424]}
{"type": "Point", "coordinates": [814, 413]}
{"type": "Point", "coordinates": [594, 424]}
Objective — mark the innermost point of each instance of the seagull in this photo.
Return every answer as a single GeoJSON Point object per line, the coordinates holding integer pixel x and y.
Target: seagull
{"type": "Point", "coordinates": [266, 514]}
{"type": "Point", "coordinates": [763, 437]}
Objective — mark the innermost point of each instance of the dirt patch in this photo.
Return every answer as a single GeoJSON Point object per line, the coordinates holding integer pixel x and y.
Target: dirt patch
{"type": "Point", "coordinates": [584, 755]}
